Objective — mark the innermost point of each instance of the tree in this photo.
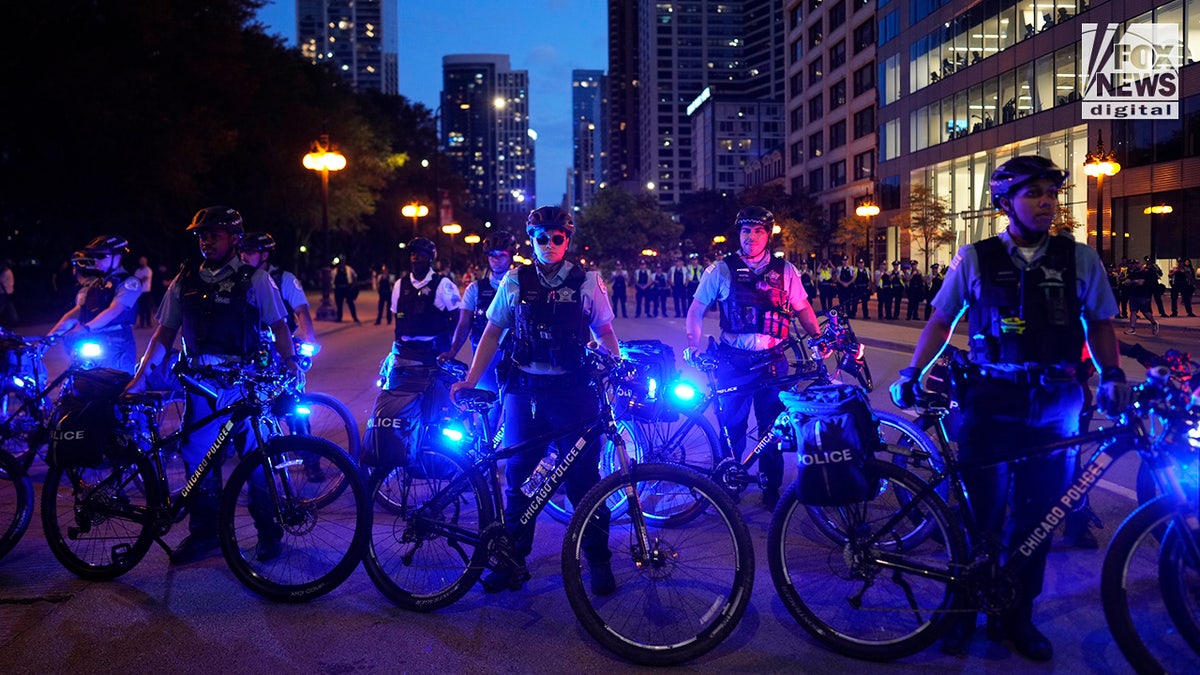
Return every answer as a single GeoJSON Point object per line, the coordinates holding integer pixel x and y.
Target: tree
{"type": "Point", "coordinates": [618, 225]}
{"type": "Point", "coordinates": [926, 220]}
{"type": "Point", "coordinates": [1064, 217]}
{"type": "Point", "coordinates": [705, 215]}
{"type": "Point", "coordinates": [854, 232]}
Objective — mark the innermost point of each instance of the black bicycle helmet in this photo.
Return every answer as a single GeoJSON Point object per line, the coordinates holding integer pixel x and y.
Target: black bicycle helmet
{"type": "Point", "coordinates": [500, 241]}
{"type": "Point", "coordinates": [754, 215]}
{"type": "Point", "coordinates": [111, 244]}
{"type": "Point", "coordinates": [217, 218]}
{"type": "Point", "coordinates": [256, 241]}
{"type": "Point", "coordinates": [1020, 171]}
{"type": "Point", "coordinates": [423, 245]}
{"type": "Point", "coordinates": [550, 218]}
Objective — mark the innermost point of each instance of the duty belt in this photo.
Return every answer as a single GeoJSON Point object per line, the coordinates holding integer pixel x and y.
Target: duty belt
{"type": "Point", "coordinates": [1024, 375]}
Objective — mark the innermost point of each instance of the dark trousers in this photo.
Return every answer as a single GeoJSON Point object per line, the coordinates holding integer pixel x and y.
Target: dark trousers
{"type": "Point", "coordinates": [642, 297]}
{"type": "Point", "coordinates": [914, 307]}
{"type": "Point", "coordinates": [143, 310]}
{"type": "Point", "coordinates": [884, 308]}
{"type": "Point", "coordinates": [345, 294]}
{"type": "Point", "coordinates": [1185, 294]}
{"type": "Point", "coordinates": [827, 293]}
{"type": "Point", "coordinates": [680, 295]}
{"type": "Point", "coordinates": [860, 296]}
{"type": "Point", "coordinates": [1002, 420]}
{"type": "Point", "coordinates": [739, 368]}
{"type": "Point", "coordinates": [534, 405]}
{"type": "Point", "coordinates": [619, 306]}
{"type": "Point", "coordinates": [385, 305]}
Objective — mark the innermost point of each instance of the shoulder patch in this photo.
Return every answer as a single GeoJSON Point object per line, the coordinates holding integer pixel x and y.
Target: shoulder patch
{"type": "Point", "coordinates": [132, 284]}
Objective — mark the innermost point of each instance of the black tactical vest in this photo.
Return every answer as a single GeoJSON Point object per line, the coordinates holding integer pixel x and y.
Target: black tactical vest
{"type": "Point", "coordinates": [550, 325]}
{"type": "Point", "coordinates": [755, 304]}
{"type": "Point", "coordinates": [218, 317]}
{"type": "Point", "coordinates": [99, 295]}
{"type": "Point", "coordinates": [416, 314]}
{"type": "Point", "coordinates": [487, 292]}
{"type": "Point", "coordinates": [1030, 315]}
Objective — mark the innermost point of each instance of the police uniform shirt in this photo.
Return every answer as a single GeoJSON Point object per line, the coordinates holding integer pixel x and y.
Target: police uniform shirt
{"type": "Point", "coordinates": [446, 297]}
{"type": "Point", "coordinates": [125, 293]}
{"type": "Point", "coordinates": [593, 298]}
{"type": "Point", "coordinates": [290, 288]}
{"type": "Point", "coordinates": [962, 283]}
{"type": "Point", "coordinates": [715, 286]}
{"type": "Point", "coordinates": [470, 298]}
{"type": "Point", "coordinates": [263, 294]}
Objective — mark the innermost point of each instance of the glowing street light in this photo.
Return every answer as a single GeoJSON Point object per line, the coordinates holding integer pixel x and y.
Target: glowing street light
{"type": "Point", "coordinates": [451, 229]}
{"type": "Point", "coordinates": [414, 210]}
{"type": "Point", "coordinates": [1099, 164]}
{"type": "Point", "coordinates": [323, 159]}
{"type": "Point", "coordinates": [868, 210]}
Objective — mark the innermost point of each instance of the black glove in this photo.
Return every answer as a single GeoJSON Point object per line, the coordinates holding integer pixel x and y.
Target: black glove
{"type": "Point", "coordinates": [904, 390]}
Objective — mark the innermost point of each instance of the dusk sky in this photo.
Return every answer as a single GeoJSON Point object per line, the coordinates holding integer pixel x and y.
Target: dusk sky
{"type": "Point", "coordinates": [548, 38]}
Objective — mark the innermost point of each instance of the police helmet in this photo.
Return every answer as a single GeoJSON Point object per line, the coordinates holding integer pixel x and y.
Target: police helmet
{"type": "Point", "coordinates": [423, 245]}
{"type": "Point", "coordinates": [500, 241]}
{"type": "Point", "coordinates": [550, 218]}
{"type": "Point", "coordinates": [257, 241]}
{"type": "Point", "coordinates": [755, 215]}
{"type": "Point", "coordinates": [111, 244]}
{"type": "Point", "coordinates": [1020, 171]}
{"type": "Point", "coordinates": [217, 218]}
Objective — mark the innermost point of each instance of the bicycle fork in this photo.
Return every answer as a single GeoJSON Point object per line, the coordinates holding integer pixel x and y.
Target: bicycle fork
{"type": "Point", "coordinates": [634, 508]}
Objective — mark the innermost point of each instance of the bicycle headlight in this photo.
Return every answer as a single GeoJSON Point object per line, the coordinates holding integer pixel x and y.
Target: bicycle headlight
{"type": "Point", "coordinates": [89, 349]}
{"type": "Point", "coordinates": [307, 349]}
{"type": "Point", "coordinates": [303, 409]}
{"type": "Point", "coordinates": [454, 434]}
{"type": "Point", "coordinates": [684, 392]}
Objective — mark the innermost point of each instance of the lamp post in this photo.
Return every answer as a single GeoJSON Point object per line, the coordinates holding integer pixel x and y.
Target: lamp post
{"type": "Point", "coordinates": [415, 211]}
{"type": "Point", "coordinates": [451, 229]}
{"type": "Point", "coordinates": [1099, 164]}
{"type": "Point", "coordinates": [868, 210]}
{"type": "Point", "coordinates": [471, 240]}
{"type": "Point", "coordinates": [323, 159]}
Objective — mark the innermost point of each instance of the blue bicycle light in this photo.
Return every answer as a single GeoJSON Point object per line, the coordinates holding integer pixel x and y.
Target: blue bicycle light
{"type": "Point", "coordinates": [685, 392]}
{"type": "Point", "coordinates": [303, 409]}
{"type": "Point", "coordinates": [307, 349]}
{"type": "Point", "coordinates": [90, 350]}
{"type": "Point", "coordinates": [651, 389]}
{"type": "Point", "coordinates": [454, 434]}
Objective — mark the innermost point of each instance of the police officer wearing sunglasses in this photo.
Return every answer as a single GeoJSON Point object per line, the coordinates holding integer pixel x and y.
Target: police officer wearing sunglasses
{"type": "Point", "coordinates": [553, 308]}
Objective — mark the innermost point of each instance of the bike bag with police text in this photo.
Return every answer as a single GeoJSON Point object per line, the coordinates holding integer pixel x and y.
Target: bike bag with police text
{"type": "Point", "coordinates": [408, 415]}
{"type": "Point", "coordinates": [656, 371]}
{"type": "Point", "coordinates": [85, 420]}
{"type": "Point", "coordinates": [834, 432]}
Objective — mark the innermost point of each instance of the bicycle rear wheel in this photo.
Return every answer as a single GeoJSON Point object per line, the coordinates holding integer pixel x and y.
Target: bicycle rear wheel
{"type": "Point", "coordinates": [1151, 590]}
{"type": "Point", "coordinates": [869, 593]}
{"type": "Point", "coordinates": [16, 503]}
{"type": "Point", "coordinates": [677, 599]}
{"type": "Point", "coordinates": [323, 416]}
{"type": "Point", "coordinates": [99, 522]}
{"type": "Point", "coordinates": [288, 540]}
{"type": "Point", "coordinates": [424, 551]}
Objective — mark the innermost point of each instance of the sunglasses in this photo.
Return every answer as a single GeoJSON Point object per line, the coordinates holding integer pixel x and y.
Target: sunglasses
{"type": "Point", "coordinates": [544, 239]}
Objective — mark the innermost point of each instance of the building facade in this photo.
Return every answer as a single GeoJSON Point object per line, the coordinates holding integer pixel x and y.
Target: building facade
{"type": "Point", "coordinates": [961, 90]}
{"type": "Point", "coordinates": [486, 135]}
{"type": "Point", "coordinates": [587, 127]}
{"type": "Point", "coordinates": [728, 136]}
{"type": "Point", "coordinates": [359, 38]}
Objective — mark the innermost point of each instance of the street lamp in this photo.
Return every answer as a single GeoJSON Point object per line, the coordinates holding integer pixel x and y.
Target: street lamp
{"type": "Point", "coordinates": [451, 229]}
{"type": "Point", "coordinates": [323, 159]}
{"type": "Point", "coordinates": [1099, 164]}
{"type": "Point", "coordinates": [868, 210]}
{"type": "Point", "coordinates": [414, 210]}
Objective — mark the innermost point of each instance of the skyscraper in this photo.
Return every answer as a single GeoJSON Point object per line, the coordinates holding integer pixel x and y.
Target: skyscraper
{"type": "Point", "coordinates": [587, 124]}
{"type": "Point", "coordinates": [359, 37]}
{"type": "Point", "coordinates": [485, 132]}
{"type": "Point", "coordinates": [622, 153]}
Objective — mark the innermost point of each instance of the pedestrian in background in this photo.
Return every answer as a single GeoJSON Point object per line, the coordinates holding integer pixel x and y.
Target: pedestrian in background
{"type": "Point", "coordinates": [1140, 284]}
{"type": "Point", "coordinates": [661, 290]}
{"type": "Point", "coordinates": [145, 275]}
{"type": "Point", "coordinates": [382, 283]}
{"type": "Point", "coordinates": [8, 310]}
{"type": "Point", "coordinates": [619, 281]}
{"type": "Point", "coordinates": [1183, 286]}
{"type": "Point", "coordinates": [345, 289]}
{"type": "Point", "coordinates": [679, 292]}
{"type": "Point", "coordinates": [642, 291]}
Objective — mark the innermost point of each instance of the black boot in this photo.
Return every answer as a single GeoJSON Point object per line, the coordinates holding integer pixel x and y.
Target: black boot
{"type": "Point", "coordinates": [957, 640]}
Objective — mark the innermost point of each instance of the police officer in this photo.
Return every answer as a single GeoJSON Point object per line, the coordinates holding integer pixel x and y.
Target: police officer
{"type": "Point", "coordinates": [426, 305]}
{"type": "Point", "coordinates": [106, 303]}
{"type": "Point", "coordinates": [472, 317]}
{"type": "Point", "coordinates": [757, 294]}
{"type": "Point", "coordinates": [862, 290]}
{"type": "Point", "coordinates": [1032, 301]}
{"type": "Point", "coordinates": [255, 250]}
{"type": "Point", "coordinates": [553, 308]}
{"type": "Point", "coordinates": [220, 305]}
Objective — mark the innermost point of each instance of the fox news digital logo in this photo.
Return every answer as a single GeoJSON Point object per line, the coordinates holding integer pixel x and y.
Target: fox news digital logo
{"type": "Point", "coordinates": [1134, 75]}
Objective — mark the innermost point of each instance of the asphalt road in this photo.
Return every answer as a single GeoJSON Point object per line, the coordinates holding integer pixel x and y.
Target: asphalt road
{"type": "Point", "coordinates": [199, 619]}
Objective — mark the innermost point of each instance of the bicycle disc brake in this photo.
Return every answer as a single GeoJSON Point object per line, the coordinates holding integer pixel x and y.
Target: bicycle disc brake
{"type": "Point", "coordinates": [731, 476]}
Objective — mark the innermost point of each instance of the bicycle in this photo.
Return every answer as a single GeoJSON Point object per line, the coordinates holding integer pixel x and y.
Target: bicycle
{"type": "Point", "coordinates": [680, 591]}
{"type": "Point", "coordinates": [16, 502]}
{"type": "Point", "coordinates": [100, 517]}
{"type": "Point", "coordinates": [901, 565]}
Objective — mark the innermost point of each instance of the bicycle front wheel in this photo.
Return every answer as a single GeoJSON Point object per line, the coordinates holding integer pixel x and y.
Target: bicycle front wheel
{"type": "Point", "coordinates": [282, 534]}
{"type": "Point", "coordinates": [99, 522]}
{"type": "Point", "coordinates": [873, 591]}
{"type": "Point", "coordinates": [1151, 590]}
{"type": "Point", "coordinates": [680, 591]}
{"type": "Point", "coordinates": [424, 553]}
{"type": "Point", "coordinates": [16, 503]}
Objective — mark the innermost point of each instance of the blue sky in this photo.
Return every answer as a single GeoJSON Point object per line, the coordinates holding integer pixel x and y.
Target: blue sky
{"type": "Point", "coordinates": [548, 38]}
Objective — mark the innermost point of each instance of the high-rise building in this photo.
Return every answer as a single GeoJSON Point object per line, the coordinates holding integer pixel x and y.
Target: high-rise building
{"type": "Point", "coordinates": [831, 134]}
{"type": "Point", "coordinates": [358, 37]}
{"type": "Point", "coordinates": [587, 125]}
{"type": "Point", "coordinates": [728, 136]}
{"type": "Point", "coordinates": [685, 47]}
{"type": "Point", "coordinates": [622, 154]}
{"type": "Point", "coordinates": [963, 89]}
{"type": "Point", "coordinates": [485, 132]}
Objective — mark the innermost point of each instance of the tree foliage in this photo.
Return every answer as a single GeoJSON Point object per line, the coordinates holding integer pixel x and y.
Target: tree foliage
{"type": "Point", "coordinates": [926, 220]}
{"type": "Point", "coordinates": [618, 225]}
{"type": "Point", "coordinates": [853, 234]}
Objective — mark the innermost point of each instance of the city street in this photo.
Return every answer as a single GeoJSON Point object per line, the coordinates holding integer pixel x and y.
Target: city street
{"type": "Point", "coordinates": [199, 619]}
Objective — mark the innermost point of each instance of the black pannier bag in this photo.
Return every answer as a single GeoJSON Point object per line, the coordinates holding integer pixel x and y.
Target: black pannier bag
{"type": "Point", "coordinates": [834, 432]}
{"type": "Point", "coordinates": [408, 415]}
{"type": "Point", "coordinates": [85, 421]}
{"type": "Point", "coordinates": [656, 361]}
